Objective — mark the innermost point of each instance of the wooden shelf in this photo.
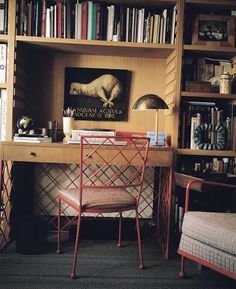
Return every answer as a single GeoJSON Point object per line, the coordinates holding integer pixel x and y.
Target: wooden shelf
{"type": "Point", "coordinates": [208, 95]}
{"type": "Point", "coordinates": [3, 85]}
{"type": "Point", "coordinates": [98, 47]}
{"type": "Point", "coordinates": [222, 52]}
{"type": "Point", "coordinates": [3, 38]}
{"type": "Point", "coordinates": [209, 3]}
{"type": "Point", "coordinates": [210, 153]}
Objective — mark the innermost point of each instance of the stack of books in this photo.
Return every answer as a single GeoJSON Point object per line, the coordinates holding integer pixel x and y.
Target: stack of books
{"type": "Point", "coordinates": [160, 139]}
{"type": "Point", "coordinates": [32, 138]}
{"type": "Point", "coordinates": [75, 137]}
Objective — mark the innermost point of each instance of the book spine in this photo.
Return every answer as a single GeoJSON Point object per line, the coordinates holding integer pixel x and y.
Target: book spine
{"type": "Point", "coordinates": [84, 20]}
{"type": "Point", "coordinates": [43, 21]}
{"type": "Point", "coordinates": [6, 16]}
{"type": "Point", "coordinates": [59, 19]}
{"type": "Point", "coordinates": [3, 114]}
{"type": "Point", "coordinates": [98, 20]}
{"type": "Point", "coordinates": [90, 20]}
{"type": "Point", "coordinates": [3, 62]}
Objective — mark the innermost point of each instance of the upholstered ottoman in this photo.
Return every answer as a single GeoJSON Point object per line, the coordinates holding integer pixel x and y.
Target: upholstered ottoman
{"type": "Point", "coordinates": [210, 239]}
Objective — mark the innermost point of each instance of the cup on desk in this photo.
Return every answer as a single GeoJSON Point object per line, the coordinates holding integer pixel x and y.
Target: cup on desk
{"type": "Point", "coordinates": [67, 127]}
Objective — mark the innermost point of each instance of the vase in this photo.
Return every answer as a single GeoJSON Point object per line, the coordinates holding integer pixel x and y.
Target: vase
{"type": "Point", "coordinates": [67, 127]}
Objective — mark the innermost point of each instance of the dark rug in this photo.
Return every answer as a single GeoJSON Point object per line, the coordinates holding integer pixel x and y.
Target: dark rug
{"type": "Point", "coordinates": [102, 265]}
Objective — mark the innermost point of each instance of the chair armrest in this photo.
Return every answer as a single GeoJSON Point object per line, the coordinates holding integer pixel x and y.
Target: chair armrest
{"type": "Point", "coordinates": [203, 182]}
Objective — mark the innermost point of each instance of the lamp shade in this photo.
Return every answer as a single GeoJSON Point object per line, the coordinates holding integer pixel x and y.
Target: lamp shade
{"type": "Point", "coordinates": [150, 101]}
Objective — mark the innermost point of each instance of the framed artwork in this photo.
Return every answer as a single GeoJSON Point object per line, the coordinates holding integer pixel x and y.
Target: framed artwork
{"type": "Point", "coordinates": [97, 94]}
{"type": "Point", "coordinates": [214, 30]}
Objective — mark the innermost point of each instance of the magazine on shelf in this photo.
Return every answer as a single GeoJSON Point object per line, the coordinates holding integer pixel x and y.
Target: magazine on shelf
{"type": "Point", "coordinates": [31, 138]}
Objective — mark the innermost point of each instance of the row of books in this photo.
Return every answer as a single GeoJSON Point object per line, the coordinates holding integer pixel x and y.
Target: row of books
{"type": "Point", "coordinates": [195, 113]}
{"type": "Point", "coordinates": [208, 167]}
{"type": "Point", "coordinates": [3, 62]}
{"type": "Point", "coordinates": [96, 21]}
{"type": "Point", "coordinates": [3, 16]}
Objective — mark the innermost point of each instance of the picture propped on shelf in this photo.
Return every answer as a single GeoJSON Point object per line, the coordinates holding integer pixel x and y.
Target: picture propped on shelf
{"type": "Point", "coordinates": [97, 94]}
{"type": "Point", "coordinates": [214, 30]}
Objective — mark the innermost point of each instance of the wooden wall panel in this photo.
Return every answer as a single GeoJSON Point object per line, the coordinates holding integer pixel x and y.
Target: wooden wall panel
{"type": "Point", "coordinates": [46, 95]}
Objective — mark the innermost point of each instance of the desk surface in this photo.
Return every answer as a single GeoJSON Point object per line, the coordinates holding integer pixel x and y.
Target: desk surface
{"type": "Point", "coordinates": [69, 153]}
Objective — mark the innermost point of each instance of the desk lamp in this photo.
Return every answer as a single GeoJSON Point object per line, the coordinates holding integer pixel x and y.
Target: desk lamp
{"type": "Point", "coordinates": [151, 101]}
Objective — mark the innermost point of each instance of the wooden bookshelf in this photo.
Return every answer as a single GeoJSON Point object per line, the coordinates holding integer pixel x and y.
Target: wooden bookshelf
{"type": "Point", "coordinates": [213, 153]}
{"type": "Point", "coordinates": [207, 95]}
{"type": "Point", "coordinates": [98, 47]}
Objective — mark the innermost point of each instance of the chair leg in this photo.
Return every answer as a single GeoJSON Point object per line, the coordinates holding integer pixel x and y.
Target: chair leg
{"type": "Point", "coordinates": [141, 266]}
{"type": "Point", "coordinates": [59, 227]}
{"type": "Point", "coordinates": [120, 223]}
{"type": "Point", "coordinates": [73, 273]}
{"type": "Point", "coordinates": [182, 273]}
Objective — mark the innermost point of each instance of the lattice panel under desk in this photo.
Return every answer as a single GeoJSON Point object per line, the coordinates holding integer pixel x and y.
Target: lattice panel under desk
{"type": "Point", "coordinates": [49, 178]}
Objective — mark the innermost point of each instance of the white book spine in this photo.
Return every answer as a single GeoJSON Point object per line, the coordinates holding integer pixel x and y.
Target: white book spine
{"type": "Point", "coordinates": [3, 114]}
{"type": "Point", "coordinates": [55, 21]}
{"type": "Point", "coordinates": [48, 22]}
{"type": "Point", "coordinates": [90, 20]}
{"type": "Point", "coordinates": [76, 20]}
{"type": "Point", "coordinates": [3, 62]}
{"type": "Point", "coordinates": [127, 25]}
{"type": "Point", "coordinates": [79, 24]}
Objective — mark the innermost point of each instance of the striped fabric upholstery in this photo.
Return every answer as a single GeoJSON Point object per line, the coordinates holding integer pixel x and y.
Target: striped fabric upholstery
{"type": "Point", "coordinates": [211, 237]}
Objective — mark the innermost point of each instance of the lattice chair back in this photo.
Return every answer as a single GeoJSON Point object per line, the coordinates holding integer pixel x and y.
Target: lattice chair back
{"type": "Point", "coordinates": [111, 162]}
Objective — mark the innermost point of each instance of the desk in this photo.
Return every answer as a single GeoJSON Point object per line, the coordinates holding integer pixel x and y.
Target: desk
{"type": "Point", "coordinates": [59, 153]}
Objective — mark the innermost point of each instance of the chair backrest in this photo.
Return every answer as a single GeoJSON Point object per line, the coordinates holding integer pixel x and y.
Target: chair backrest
{"type": "Point", "coordinates": [112, 162]}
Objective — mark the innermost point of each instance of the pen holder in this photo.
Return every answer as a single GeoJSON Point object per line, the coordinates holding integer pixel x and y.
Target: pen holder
{"type": "Point", "coordinates": [67, 127]}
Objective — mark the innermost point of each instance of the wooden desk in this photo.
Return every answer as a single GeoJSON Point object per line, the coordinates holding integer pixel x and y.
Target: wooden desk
{"type": "Point", "coordinates": [59, 153]}
{"type": "Point", "coordinates": [69, 153]}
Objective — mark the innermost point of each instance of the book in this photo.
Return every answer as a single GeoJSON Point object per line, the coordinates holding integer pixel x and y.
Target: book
{"type": "Point", "coordinates": [31, 138]}
{"type": "Point", "coordinates": [1, 16]}
{"type": "Point", "coordinates": [3, 62]}
{"type": "Point", "coordinates": [99, 141]}
{"type": "Point", "coordinates": [91, 132]}
{"type": "Point", "coordinates": [3, 120]}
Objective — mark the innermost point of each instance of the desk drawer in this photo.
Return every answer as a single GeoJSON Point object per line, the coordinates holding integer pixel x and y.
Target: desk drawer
{"type": "Point", "coordinates": [44, 154]}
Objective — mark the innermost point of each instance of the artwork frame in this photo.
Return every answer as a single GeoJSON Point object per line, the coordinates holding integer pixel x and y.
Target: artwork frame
{"type": "Point", "coordinates": [97, 94]}
{"type": "Point", "coordinates": [214, 30]}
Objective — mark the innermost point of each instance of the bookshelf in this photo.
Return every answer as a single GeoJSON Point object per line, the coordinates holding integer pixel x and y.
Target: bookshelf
{"type": "Point", "coordinates": [35, 83]}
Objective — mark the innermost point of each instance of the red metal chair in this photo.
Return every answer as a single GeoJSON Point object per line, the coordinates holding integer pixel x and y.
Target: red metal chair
{"type": "Point", "coordinates": [111, 177]}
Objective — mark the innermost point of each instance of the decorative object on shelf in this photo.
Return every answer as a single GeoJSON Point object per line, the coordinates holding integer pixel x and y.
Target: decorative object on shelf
{"type": "Point", "coordinates": [25, 125]}
{"type": "Point", "coordinates": [97, 94]}
{"type": "Point", "coordinates": [204, 129]}
{"type": "Point", "coordinates": [53, 129]}
{"type": "Point", "coordinates": [67, 127]}
{"type": "Point", "coordinates": [214, 30]}
{"type": "Point", "coordinates": [154, 102]}
{"type": "Point", "coordinates": [197, 86]}
{"type": "Point", "coordinates": [225, 83]}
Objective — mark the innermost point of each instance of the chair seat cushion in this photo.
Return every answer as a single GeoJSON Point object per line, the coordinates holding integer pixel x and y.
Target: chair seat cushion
{"type": "Point", "coordinates": [214, 229]}
{"type": "Point", "coordinates": [99, 199]}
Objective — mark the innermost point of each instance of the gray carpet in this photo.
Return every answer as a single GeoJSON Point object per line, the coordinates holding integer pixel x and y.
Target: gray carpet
{"type": "Point", "coordinates": [102, 265]}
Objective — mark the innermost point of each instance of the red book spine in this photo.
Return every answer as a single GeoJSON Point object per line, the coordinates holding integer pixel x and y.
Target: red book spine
{"type": "Point", "coordinates": [59, 19]}
{"type": "Point", "coordinates": [84, 20]}
{"type": "Point", "coordinates": [43, 22]}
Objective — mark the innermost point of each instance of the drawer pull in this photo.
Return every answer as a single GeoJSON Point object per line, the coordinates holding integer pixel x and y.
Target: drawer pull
{"type": "Point", "coordinates": [33, 154]}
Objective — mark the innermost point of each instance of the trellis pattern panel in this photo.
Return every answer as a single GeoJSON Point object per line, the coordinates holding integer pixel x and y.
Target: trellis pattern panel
{"type": "Point", "coordinates": [49, 178]}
